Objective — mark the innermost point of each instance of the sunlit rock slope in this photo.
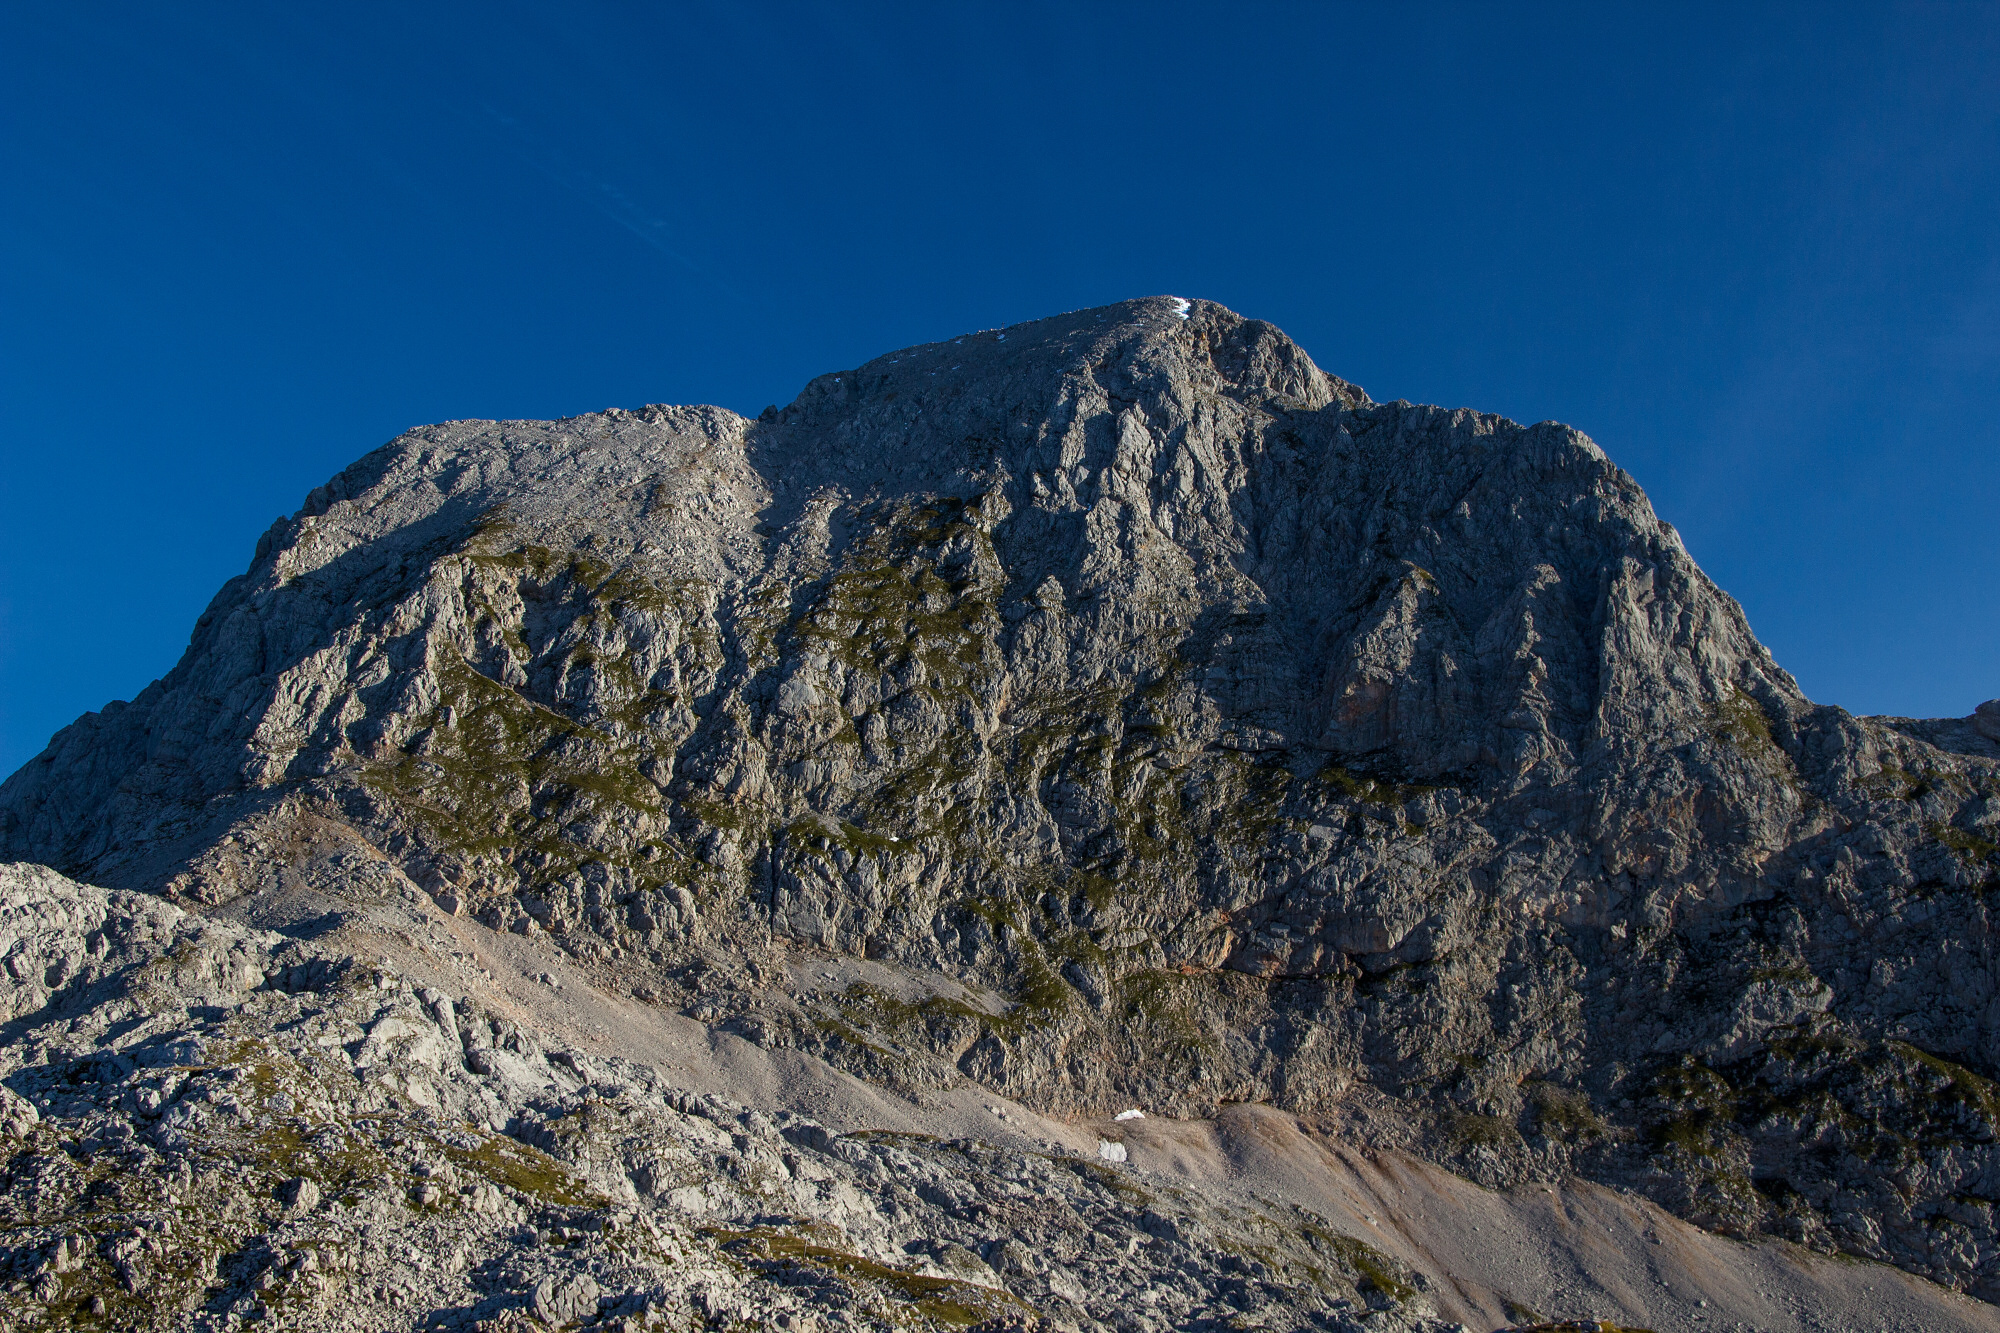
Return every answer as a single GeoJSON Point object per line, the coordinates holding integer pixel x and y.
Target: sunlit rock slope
{"type": "Point", "coordinates": [1204, 731]}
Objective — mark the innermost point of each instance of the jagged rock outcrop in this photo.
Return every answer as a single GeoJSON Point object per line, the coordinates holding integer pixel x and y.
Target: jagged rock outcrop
{"type": "Point", "coordinates": [238, 1128]}
{"type": "Point", "coordinates": [1230, 736]}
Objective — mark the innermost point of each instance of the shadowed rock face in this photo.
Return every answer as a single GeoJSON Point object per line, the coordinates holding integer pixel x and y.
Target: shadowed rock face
{"type": "Point", "coordinates": [1235, 737]}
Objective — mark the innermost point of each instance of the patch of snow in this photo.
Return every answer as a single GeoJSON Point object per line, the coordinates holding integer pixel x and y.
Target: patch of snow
{"type": "Point", "coordinates": [1134, 1114]}
{"type": "Point", "coordinates": [1109, 1151]}
{"type": "Point", "coordinates": [1181, 307]}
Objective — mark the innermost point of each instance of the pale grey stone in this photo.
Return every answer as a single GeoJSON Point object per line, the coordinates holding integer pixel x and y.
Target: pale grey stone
{"type": "Point", "coordinates": [1120, 711]}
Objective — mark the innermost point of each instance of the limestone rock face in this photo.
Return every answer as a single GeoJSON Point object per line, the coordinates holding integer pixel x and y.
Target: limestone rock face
{"type": "Point", "coordinates": [241, 1126]}
{"type": "Point", "coordinates": [1225, 735]}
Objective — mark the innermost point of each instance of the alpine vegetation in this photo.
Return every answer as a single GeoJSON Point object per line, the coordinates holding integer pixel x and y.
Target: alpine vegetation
{"type": "Point", "coordinates": [1092, 825]}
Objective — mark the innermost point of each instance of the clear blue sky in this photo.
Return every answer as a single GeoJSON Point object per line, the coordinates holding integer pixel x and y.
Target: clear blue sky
{"type": "Point", "coordinates": [1754, 252]}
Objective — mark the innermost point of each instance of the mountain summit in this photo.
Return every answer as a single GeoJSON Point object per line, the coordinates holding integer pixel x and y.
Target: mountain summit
{"type": "Point", "coordinates": [1118, 710]}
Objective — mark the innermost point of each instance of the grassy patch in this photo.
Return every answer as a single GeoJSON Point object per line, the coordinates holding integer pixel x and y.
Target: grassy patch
{"type": "Point", "coordinates": [1700, 1105]}
{"type": "Point", "coordinates": [1365, 788]}
{"type": "Point", "coordinates": [913, 589]}
{"type": "Point", "coordinates": [1466, 1130]}
{"type": "Point", "coordinates": [1370, 1267]}
{"type": "Point", "coordinates": [524, 1169]}
{"type": "Point", "coordinates": [1791, 974]}
{"type": "Point", "coordinates": [1897, 784]}
{"type": "Point", "coordinates": [1961, 1085]}
{"type": "Point", "coordinates": [1565, 1112]}
{"type": "Point", "coordinates": [1965, 844]}
{"type": "Point", "coordinates": [1741, 721]}
{"type": "Point", "coordinates": [1742, 724]}
{"type": "Point", "coordinates": [947, 1302]}
{"type": "Point", "coordinates": [511, 777]}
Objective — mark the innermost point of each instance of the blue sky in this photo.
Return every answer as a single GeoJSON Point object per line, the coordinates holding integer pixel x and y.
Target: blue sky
{"type": "Point", "coordinates": [1754, 252]}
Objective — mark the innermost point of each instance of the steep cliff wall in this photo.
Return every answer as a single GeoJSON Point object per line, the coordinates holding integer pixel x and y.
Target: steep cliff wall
{"type": "Point", "coordinates": [1237, 737]}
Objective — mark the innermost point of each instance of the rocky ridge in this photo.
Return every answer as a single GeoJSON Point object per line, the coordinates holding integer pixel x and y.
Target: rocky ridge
{"type": "Point", "coordinates": [211, 1126]}
{"type": "Point", "coordinates": [1166, 723]}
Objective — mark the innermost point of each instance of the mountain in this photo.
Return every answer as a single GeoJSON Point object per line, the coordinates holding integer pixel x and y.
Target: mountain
{"type": "Point", "coordinates": [1110, 711]}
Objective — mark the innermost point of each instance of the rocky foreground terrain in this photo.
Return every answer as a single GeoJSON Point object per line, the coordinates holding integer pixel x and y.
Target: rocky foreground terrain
{"type": "Point", "coordinates": [1095, 824]}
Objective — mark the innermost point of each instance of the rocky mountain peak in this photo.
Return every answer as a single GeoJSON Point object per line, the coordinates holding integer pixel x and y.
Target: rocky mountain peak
{"type": "Point", "coordinates": [1173, 723]}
